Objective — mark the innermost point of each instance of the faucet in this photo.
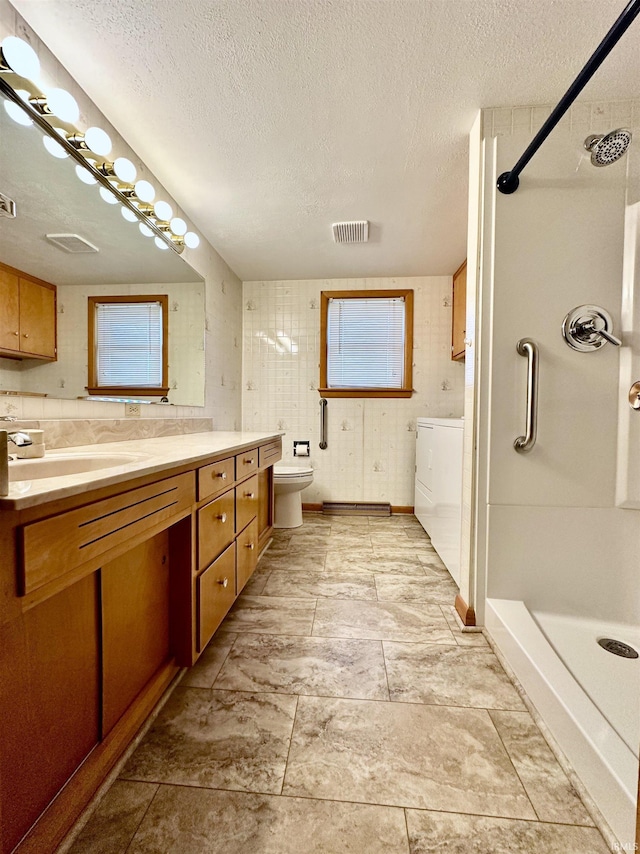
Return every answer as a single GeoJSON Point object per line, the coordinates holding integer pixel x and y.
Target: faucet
{"type": "Point", "coordinates": [19, 439]}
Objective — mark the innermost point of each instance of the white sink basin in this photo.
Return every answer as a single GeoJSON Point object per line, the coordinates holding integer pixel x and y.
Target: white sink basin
{"type": "Point", "coordinates": [65, 464]}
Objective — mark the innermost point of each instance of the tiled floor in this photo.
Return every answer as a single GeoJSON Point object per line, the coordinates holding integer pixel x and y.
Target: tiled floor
{"type": "Point", "coordinates": [340, 709]}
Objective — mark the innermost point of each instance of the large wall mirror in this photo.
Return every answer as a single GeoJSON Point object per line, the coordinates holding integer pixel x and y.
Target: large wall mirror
{"type": "Point", "coordinates": [51, 199]}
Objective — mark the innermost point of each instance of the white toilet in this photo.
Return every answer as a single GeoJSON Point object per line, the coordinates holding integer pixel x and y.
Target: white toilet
{"type": "Point", "coordinates": [288, 483]}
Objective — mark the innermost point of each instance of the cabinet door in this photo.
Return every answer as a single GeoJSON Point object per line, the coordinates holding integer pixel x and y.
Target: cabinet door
{"type": "Point", "coordinates": [247, 546]}
{"type": "Point", "coordinates": [9, 316]}
{"type": "Point", "coordinates": [49, 717]}
{"type": "Point", "coordinates": [37, 319]}
{"type": "Point", "coordinates": [459, 321]}
{"type": "Point", "coordinates": [215, 593]}
{"type": "Point", "coordinates": [135, 620]}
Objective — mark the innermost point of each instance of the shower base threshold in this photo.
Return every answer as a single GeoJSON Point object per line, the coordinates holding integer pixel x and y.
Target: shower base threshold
{"type": "Point", "coordinates": [602, 760]}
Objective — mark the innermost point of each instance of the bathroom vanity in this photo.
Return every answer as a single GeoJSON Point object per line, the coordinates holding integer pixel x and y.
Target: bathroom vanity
{"type": "Point", "coordinates": [111, 580]}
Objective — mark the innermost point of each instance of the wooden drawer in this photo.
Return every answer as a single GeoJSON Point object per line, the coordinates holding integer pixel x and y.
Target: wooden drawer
{"type": "Point", "coordinates": [215, 592]}
{"type": "Point", "coordinates": [216, 478]}
{"type": "Point", "coordinates": [270, 454]}
{"type": "Point", "coordinates": [52, 547]}
{"type": "Point", "coordinates": [246, 502]}
{"type": "Point", "coordinates": [246, 463]}
{"type": "Point", "coordinates": [216, 528]}
{"type": "Point", "coordinates": [247, 554]}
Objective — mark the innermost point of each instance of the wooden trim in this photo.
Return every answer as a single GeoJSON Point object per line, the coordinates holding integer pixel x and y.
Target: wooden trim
{"type": "Point", "coordinates": [56, 821]}
{"type": "Point", "coordinates": [402, 508]}
{"type": "Point", "coordinates": [22, 275]}
{"type": "Point", "coordinates": [312, 508]}
{"type": "Point", "coordinates": [407, 389]}
{"type": "Point", "coordinates": [145, 391]}
{"type": "Point", "coordinates": [466, 614]}
{"type": "Point", "coordinates": [460, 268]}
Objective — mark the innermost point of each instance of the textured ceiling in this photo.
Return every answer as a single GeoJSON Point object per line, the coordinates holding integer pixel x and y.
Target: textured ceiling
{"type": "Point", "coordinates": [270, 119]}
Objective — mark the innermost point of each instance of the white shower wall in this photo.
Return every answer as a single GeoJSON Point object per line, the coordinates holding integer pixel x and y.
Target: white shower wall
{"type": "Point", "coordinates": [371, 442]}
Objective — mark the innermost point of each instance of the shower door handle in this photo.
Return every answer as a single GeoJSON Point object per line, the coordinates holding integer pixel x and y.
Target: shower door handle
{"type": "Point", "coordinates": [323, 424]}
{"type": "Point", "coordinates": [527, 347]}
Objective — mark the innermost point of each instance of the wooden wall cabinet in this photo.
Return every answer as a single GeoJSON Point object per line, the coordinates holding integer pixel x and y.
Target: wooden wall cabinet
{"type": "Point", "coordinates": [459, 320]}
{"type": "Point", "coordinates": [28, 324]}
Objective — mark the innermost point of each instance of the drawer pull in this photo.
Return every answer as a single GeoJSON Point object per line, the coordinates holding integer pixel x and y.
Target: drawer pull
{"type": "Point", "coordinates": [16, 333]}
{"type": "Point", "coordinates": [249, 546]}
{"type": "Point", "coordinates": [221, 474]}
{"type": "Point", "coordinates": [249, 495]}
{"type": "Point", "coordinates": [25, 335]}
{"type": "Point", "coordinates": [224, 581]}
{"type": "Point", "coordinates": [249, 462]}
{"type": "Point", "coordinates": [222, 517]}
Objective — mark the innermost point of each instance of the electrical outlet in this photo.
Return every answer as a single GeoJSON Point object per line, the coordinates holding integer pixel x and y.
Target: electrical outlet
{"type": "Point", "coordinates": [132, 410]}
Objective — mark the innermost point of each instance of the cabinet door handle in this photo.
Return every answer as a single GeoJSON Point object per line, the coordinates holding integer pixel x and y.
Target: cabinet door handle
{"type": "Point", "coordinates": [16, 334]}
{"type": "Point", "coordinates": [25, 334]}
{"type": "Point", "coordinates": [249, 546]}
{"type": "Point", "coordinates": [222, 517]}
{"type": "Point", "coordinates": [249, 462]}
{"type": "Point", "coordinates": [224, 582]}
{"type": "Point", "coordinates": [220, 474]}
{"type": "Point", "coordinates": [249, 495]}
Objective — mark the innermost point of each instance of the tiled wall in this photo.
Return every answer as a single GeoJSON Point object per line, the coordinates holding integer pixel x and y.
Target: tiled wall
{"type": "Point", "coordinates": [371, 442]}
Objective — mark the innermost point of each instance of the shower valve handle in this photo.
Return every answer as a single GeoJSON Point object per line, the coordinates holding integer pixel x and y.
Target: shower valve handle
{"type": "Point", "coordinates": [590, 328]}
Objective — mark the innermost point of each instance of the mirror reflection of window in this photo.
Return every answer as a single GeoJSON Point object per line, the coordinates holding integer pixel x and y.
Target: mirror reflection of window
{"type": "Point", "coordinates": [128, 345]}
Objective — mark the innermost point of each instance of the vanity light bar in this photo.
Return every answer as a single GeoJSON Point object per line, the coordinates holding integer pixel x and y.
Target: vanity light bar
{"type": "Point", "coordinates": [76, 145]}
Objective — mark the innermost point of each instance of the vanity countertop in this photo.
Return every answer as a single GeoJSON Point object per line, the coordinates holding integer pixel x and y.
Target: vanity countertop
{"type": "Point", "coordinates": [148, 456]}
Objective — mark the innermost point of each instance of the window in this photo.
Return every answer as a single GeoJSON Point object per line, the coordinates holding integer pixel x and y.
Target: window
{"type": "Point", "coordinates": [366, 343]}
{"type": "Point", "coordinates": [128, 345]}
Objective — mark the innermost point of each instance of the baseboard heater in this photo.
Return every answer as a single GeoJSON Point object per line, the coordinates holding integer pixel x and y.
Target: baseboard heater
{"type": "Point", "coordinates": [357, 508]}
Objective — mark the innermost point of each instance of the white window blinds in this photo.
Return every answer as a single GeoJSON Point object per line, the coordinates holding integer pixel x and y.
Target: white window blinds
{"type": "Point", "coordinates": [129, 344]}
{"type": "Point", "coordinates": [365, 343]}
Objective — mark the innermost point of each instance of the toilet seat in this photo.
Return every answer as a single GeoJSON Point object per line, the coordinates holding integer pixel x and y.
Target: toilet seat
{"type": "Point", "coordinates": [286, 472]}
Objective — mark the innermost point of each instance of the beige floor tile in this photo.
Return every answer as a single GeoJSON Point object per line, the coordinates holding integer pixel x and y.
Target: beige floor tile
{"type": "Point", "coordinates": [313, 541]}
{"type": "Point", "coordinates": [256, 584]}
{"type": "Point", "coordinates": [357, 562]}
{"type": "Point", "coordinates": [381, 621]}
{"type": "Point", "coordinates": [466, 639]}
{"type": "Point", "coordinates": [217, 739]}
{"type": "Point", "coordinates": [276, 615]}
{"type": "Point", "coordinates": [448, 676]}
{"type": "Point", "coordinates": [551, 793]}
{"type": "Point", "coordinates": [112, 826]}
{"type": "Point", "coordinates": [195, 821]}
{"type": "Point", "coordinates": [207, 667]}
{"type": "Point", "coordinates": [339, 585]}
{"type": "Point", "coordinates": [293, 560]}
{"type": "Point", "coordinates": [431, 832]}
{"type": "Point", "coordinates": [321, 666]}
{"type": "Point", "coordinates": [397, 588]}
{"type": "Point", "coordinates": [402, 755]}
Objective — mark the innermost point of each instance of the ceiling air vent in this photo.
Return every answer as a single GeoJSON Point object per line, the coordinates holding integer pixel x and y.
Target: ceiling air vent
{"type": "Point", "coordinates": [71, 243]}
{"type": "Point", "coordinates": [351, 232]}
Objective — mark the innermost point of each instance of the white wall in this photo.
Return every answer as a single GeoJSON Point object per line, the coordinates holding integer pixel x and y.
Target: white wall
{"type": "Point", "coordinates": [555, 537]}
{"type": "Point", "coordinates": [371, 453]}
{"type": "Point", "coordinates": [223, 289]}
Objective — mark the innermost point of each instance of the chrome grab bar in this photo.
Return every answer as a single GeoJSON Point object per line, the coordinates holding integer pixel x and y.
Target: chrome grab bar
{"type": "Point", "coordinates": [527, 347]}
{"type": "Point", "coordinates": [323, 424]}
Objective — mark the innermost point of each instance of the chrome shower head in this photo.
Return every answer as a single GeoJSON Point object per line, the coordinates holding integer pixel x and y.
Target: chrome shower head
{"type": "Point", "coordinates": [608, 148]}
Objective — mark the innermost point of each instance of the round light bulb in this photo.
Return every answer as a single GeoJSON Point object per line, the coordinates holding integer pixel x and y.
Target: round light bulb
{"type": "Point", "coordinates": [63, 105]}
{"type": "Point", "coordinates": [85, 176]}
{"type": "Point", "coordinates": [20, 57]}
{"type": "Point", "coordinates": [108, 196]}
{"type": "Point", "coordinates": [163, 211]}
{"type": "Point", "coordinates": [124, 169]}
{"type": "Point", "coordinates": [144, 191]}
{"type": "Point", "coordinates": [191, 240]}
{"type": "Point", "coordinates": [178, 226]}
{"type": "Point", "coordinates": [128, 214]}
{"type": "Point", "coordinates": [54, 147]}
{"type": "Point", "coordinates": [17, 113]}
{"type": "Point", "coordinates": [160, 243]}
{"type": "Point", "coordinates": [97, 141]}
{"type": "Point", "coordinates": [145, 230]}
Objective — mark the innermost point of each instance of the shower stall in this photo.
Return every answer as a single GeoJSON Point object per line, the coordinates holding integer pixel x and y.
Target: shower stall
{"type": "Point", "coordinates": [556, 530]}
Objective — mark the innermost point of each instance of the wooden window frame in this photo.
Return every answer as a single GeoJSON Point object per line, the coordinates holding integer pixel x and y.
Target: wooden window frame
{"type": "Point", "coordinates": [407, 387]}
{"type": "Point", "coordinates": [119, 391]}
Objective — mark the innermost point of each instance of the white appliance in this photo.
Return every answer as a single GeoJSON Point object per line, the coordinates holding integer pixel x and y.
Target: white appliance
{"type": "Point", "coordinates": [438, 498]}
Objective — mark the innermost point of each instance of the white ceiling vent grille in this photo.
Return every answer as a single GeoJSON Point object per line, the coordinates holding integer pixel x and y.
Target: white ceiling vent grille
{"type": "Point", "coordinates": [71, 243]}
{"type": "Point", "coordinates": [351, 232]}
